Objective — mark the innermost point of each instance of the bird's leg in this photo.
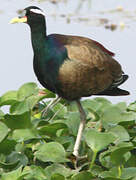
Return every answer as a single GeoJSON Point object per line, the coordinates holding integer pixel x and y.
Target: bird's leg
{"type": "Point", "coordinates": [51, 105]}
{"type": "Point", "coordinates": [81, 128]}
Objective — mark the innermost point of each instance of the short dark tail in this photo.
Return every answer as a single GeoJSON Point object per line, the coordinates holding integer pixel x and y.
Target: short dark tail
{"type": "Point", "coordinates": [114, 92]}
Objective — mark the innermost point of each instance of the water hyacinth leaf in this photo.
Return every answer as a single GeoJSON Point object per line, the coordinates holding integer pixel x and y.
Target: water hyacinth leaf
{"type": "Point", "coordinates": [9, 166]}
{"type": "Point", "coordinates": [34, 172]}
{"type": "Point", "coordinates": [51, 152]}
{"type": "Point", "coordinates": [17, 156]}
{"type": "Point", "coordinates": [1, 114]}
{"type": "Point", "coordinates": [57, 177]}
{"type": "Point", "coordinates": [102, 100]}
{"type": "Point", "coordinates": [122, 106]}
{"type": "Point", "coordinates": [32, 100]}
{"type": "Point", "coordinates": [51, 129]}
{"type": "Point", "coordinates": [132, 107]}
{"type": "Point", "coordinates": [15, 174]}
{"type": "Point", "coordinates": [83, 176]}
{"type": "Point", "coordinates": [58, 169]}
{"type": "Point", "coordinates": [91, 104]}
{"type": "Point", "coordinates": [8, 98]}
{"type": "Point", "coordinates": [3, 131]}
{"type": "Point", "coordinates": [97, 140]}
{"type": "Point", "coordinates": [18, 121]}
{"type": "Point", "coordinates": [105, 159]}
{"type": "Point", "coordinates": [113, 173]}
{"type": "Point", "coordinates": [7, 146]}
{"type": "Point", "coordinates": [72, 121]}
{"type": "Point", "coordinates": [19, 108]}
{"type": "Point", "coordinates": [120, 132]}
{"type": "Point", "coordinates": [21, 135]}
{"type": "Point", "coordinates": [128, 173]}
{"type": "Point", "coordinates": [113, 115]}
{"type": "Point", "coordinates": [117, 155]}
{"type": "Point", "coordinates": [27, 90]}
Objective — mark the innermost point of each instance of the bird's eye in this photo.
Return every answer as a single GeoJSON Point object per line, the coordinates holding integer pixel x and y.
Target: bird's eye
{"type": "Point", "coordinates": [22, 13]}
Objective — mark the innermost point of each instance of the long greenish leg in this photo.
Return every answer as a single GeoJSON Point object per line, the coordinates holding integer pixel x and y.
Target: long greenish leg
{"type": "Point", "coordinates": [81, 128]}
{"type": "Point", "coordinates": [51, 105]}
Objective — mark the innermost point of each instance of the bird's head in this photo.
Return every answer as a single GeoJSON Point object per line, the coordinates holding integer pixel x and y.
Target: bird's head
{"type": "Point", "coordinates": [31, 15]}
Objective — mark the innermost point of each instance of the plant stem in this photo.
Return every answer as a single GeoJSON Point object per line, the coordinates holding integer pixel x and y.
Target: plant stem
{"type": "Point", "coordinates": [119, 172]}
{"type": "Point", "coordinates": [93, 159]}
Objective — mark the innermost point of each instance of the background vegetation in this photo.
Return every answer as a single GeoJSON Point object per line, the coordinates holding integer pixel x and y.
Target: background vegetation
{"type": "Point", "coordinates": [40, 148]}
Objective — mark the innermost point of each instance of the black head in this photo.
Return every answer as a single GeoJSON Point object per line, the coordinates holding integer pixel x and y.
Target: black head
{"type": "Point", "coordinates": [31, 15]}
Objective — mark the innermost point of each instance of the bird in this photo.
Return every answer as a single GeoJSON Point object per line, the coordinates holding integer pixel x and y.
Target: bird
{"type": "Point", "coordinates": [72, 66]}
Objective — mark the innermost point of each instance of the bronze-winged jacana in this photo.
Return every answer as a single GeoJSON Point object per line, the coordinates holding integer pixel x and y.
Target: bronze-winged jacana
{"type": "Point", "coordinates": [72, 66]}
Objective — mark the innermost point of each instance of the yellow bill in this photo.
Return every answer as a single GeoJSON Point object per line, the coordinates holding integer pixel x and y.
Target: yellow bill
{"type": "Point", "coordinates": [19, 20]}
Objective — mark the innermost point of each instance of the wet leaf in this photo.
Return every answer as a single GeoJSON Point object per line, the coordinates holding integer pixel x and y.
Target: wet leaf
{"type": "Point", "coordinates": [120, 132]}
{"type": "Point", "coordinates": [18, 121]}
{"type": "Point", "coordinates": [83, 176]}
{"type": "Point", "coordinates": [57, 177]}
{"type": "Point", "coordinates": [97, 140]}
{"type": "Point", "coordinates": [51, 129]}
{"type": "Point", "coordinates": [72, 121]}
{"type": "Point", "coordinates": [16, 174]}
{"type": "Point", "coordinates": [58, 169]}
{"type": "Point", "coordinates": [27, 90]}
{"type": "Point", "coordinates": [21, 135]}
{"type": "Point", "coordinates": [34, 172]}
{"type": "Point", "coordinates": [8, 98]}
{"type": "Point", "coordinates": [118, 154]}
{"type": "Point", "coordinates": [52, 151]}
{"type": "Point", "coordinates": [3, 131]}
{"type": "Point", "coordinates": [113, 115]}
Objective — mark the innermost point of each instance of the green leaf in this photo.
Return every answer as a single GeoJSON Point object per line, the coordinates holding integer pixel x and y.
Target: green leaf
{"type": "Point", "coordinates": [27, 90]}
{"type": "Point", "coordinates": [132, 107]}
{"type": "Point", "coordinates": [120, 132]}
{"type": "Point", "coordinates": [21, 135]}
{"type": "Point", "coordinates": [83, 176]}
{"type": "Point", "coordinates": [34, 172]}
{"type": "Point", "coordinates": [16, 174]}
{"type": "Point", "coordinates": [19, 108]}
{"type": "Point", "coordinates": [52, 151]}
{"type": "Point", "coordinates": [128, 173]}
{"type": "Point", "coordinates": [122, 106]}
{"type": "Point", "coordinates": [51, 129]}
{"type": "Point", "coordinates": [18, 121]}
{"type": "Point", "coordinates": [58, 169]}
{"type": "Point", "coordinates": [97, 140]}
{"type": "Point", "coordinates": [118, 152]}
{"type": "Point", "coordinates": [57, 177]}
{"type": "Point", "coordinates": [105, 159]}
{"type": "Point", "coordinates": [7, 146]}
{"type": "Point", "coordinates": [112, 174]}
{"type": "Point", "coordinates": [3, 131]}
{"type": "Point", "coordinates": [113, 115]}
{"type": "Point", "coordinates": [72, 121]}
{"type": "Point", "coordinates": [8, 98]}
{"type": "Point", "coordinates": [17, 157]}
{"type": "Point", "coordinates": [9, 166]}
{"type": "Point", "coordinates": [102, 100]}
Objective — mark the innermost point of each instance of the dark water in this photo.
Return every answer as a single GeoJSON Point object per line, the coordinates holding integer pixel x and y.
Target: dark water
{"type": "Point", "coordinates": [16, 52]}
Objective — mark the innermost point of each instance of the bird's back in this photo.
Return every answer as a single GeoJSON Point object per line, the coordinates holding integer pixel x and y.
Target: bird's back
{"type": "Point", "coordinates": [88, 70]}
